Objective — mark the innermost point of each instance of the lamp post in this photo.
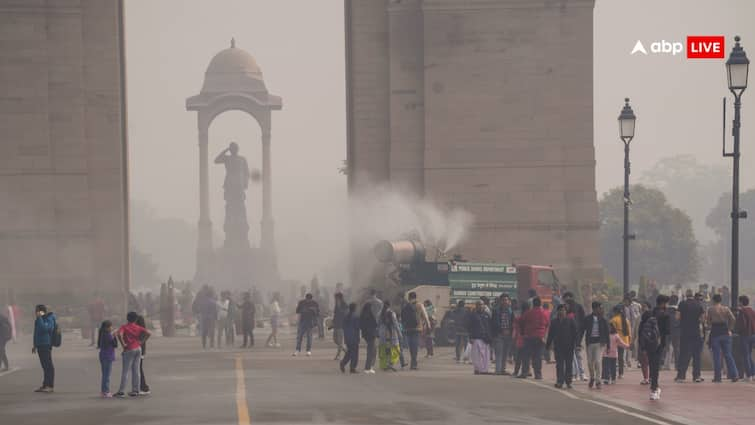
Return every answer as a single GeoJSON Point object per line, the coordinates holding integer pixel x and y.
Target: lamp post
{"type": "Point", "coordinates": [736, 71]}
{"type": "Point", "coordinates": [626, 133]}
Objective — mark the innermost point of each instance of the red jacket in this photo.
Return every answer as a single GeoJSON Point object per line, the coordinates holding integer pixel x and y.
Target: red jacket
{"type": "Point", "coordinates": [534, 323]}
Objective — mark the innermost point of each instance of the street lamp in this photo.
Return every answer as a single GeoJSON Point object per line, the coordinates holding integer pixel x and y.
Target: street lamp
{"type": "Point", "coordinates": [737, 68]}
{"type": "Point", "coordinates": [626, 133]}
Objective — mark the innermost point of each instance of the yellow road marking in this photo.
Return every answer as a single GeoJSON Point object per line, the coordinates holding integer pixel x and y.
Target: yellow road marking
{"type": "Point", "coordinates": [242, 409]}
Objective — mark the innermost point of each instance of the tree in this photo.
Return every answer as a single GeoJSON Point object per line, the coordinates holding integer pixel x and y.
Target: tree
{"type": "Point", "coordinates": [719, 220]}
{"type": "Point", "coordinates": [675, 176]}
{"type": "Point", "coordinates": [665, 249]}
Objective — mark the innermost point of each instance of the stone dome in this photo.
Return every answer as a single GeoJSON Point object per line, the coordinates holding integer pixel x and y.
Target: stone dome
{"type": "Point", "coordinates": [233, 70]}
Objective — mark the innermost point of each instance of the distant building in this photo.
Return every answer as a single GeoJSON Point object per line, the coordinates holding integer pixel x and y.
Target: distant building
{"type": "Point", "coordinates": [63, 181]}
{"type": "Point", "coordinates": [485, 105]}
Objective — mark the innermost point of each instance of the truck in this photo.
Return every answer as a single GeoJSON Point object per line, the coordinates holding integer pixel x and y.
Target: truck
{"type": "Point", "coordinates": [447, 281]}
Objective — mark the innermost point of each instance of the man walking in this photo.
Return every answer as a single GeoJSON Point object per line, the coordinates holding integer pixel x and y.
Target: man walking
{"type": "Point", "coordinates": [562, 337]}
{"type": "Point", "coordinates": [745, 328]}
{"type": "Point", "coordinates": [690, 314]}
{"type": "Point", "coordinates": [575, 311]}
{"type": "Point", "coordinates": [534, 326]}
{"type": "Point", "coordinates": [461, 336]}
{"type": "Point", "coordinates": [44, 328]}
{"type": "Point", "coordinates": [308, 311]}
{"type": "Point", "coordinates": [653, 335]}
{"type": "Point", "coordinates": [351, 338]}
{"type": "Point", "coordinates": [595, 331]}
{"type": "Point", "coordinates": [414, 318]}
{"type": "Point", "coordinates": [503, 331]}
{"type": "Point", "coordinates": [721, 322]}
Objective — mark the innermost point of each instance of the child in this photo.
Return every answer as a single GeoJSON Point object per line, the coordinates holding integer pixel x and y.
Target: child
{"type": "Point", "coordinates": [611, 355]}
{"type": "Point", "coordinates": [106, 343]}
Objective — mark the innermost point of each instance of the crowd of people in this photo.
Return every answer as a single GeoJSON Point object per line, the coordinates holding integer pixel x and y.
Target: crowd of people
{"type": "Point", "coordinates": [494, 334]}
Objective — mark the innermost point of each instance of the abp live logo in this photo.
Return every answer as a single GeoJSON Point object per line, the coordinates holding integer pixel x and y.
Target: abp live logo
{"type": "Point", "coordinates": [698, 47]}
{"type": "Point", "coordinates": [705, 47]}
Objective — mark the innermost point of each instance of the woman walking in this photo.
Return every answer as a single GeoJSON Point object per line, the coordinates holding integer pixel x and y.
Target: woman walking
{"type": "Point", "coordinates": [275, 312]}
{"type": "Point", "coordinates": [388, 333]}
{"type": "Point", "coordinates": [340, 310]}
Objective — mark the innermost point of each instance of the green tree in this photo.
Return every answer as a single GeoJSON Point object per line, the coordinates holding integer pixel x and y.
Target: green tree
{"type": "Point", "coordinates": [665, 249]}
{"type": "Point", "coordinates": [719, 220]}
{"type": "Point", "coordinates": [676, 175]}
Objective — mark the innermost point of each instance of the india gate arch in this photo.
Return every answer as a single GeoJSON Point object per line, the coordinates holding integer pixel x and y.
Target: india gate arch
{"type": "Point", "coordinates": [233, 82]}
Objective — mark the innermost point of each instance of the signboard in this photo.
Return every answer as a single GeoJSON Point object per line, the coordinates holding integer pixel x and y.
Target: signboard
{"type": "Point", "coordinates": [470, 281]}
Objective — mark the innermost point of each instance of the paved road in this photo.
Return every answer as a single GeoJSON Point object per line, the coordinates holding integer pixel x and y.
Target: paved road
{"type": "Point", "coordinates": [267, 386]}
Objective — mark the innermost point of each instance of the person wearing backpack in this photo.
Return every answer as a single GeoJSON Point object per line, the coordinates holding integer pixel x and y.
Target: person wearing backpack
{"type": "Point", "coordinates": [6, 333]}
{"type": "Point", "coordinates": [308, 311]}
{"type": "Point", "coordinates": [45, 326]}
{"type": "Point", "coordinates": [653, 335]}
{"type": "Point", "coordinates": [414, 318]}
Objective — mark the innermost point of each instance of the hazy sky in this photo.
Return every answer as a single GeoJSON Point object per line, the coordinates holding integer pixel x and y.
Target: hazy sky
{"type": "Point", "coordinates": [299, 44]}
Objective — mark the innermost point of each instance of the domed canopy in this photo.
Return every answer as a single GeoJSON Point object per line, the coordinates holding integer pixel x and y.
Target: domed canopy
{"type": "Point", "coordinates": [233, 69]}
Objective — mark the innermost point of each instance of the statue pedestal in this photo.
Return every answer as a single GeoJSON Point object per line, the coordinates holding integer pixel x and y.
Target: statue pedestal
{"type": "Point", "coordinates": [243, 267]}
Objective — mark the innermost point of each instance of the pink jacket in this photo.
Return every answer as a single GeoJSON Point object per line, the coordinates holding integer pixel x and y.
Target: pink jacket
{"type": "Point", "coordinates": [612, 351]}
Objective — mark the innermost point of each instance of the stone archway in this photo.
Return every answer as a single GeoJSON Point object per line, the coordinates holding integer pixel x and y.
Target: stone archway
{"type": "Point", "coordinates": [233, 81]}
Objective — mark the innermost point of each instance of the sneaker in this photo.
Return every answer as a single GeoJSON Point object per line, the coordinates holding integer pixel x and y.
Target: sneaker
{"type": "Point", "coordinates": [309, 354]}
{"type": "Point", "coordinates": [679, 380]}
{"type": "Point", "coordinates": [654, 395]}
{"type": "Point", "coordinates": [369, 371]}
{"type": "Point", "coordinates": [559, 386]}
{"type": "Point", "coordinates": [39, 390]}
{"type": "Point", "coordinates": [583, 378]}
{"type": "Point", "coordinates": [119, 394]}
{"type": "Point", "coordinates": [734, 380]}
{"type": "Point", "coordinates": [294, 354]}
{"type": "Point", "coordinates": [644, 382]}
{"type": "Point", "coordinates": [568, 386]}
{"type": "Point", "coordinates": [145, 392]}
{"type": "Point", "coordinates": [606, 381]}
{"type": "Point", "coordinates": [133, 394]}
{"type": "Point", "coordinates": [699, 380]}
{"type": "Point", "coordinates": [46, 390]}
{"type": "Point", "coordinates": [107, 395]}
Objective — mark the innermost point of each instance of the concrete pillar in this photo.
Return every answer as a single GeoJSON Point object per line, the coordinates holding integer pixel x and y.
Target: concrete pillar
{"type": "Point", "coordinates": [407, 96]}
{"type": "Point", "coordinates": [267, 243]}
{"type": "Point", "coordinates": [204, 243]}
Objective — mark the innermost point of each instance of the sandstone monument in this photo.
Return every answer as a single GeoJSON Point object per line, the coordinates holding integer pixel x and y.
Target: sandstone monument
{"type": "Point", "coordinates": [485, 105]}
{"type": "Point", "coordinates": [63, 170]}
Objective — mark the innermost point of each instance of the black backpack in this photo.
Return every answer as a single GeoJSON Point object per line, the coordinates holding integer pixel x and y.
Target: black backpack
{"type": "Point", "coordinates": [650, 336]}
{"type": "Point", "coordinates": [57, 336]}
{"type": "Point", "coordinates": [409, 317]}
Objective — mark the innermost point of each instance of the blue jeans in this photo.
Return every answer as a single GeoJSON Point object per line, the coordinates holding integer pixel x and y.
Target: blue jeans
{"type": "Point", "coordinates": [412, 339]}
{"type": "Point", "coordinates": [131, 362]}
{"type": "Point", "coordinates": [503, 345]}
{"type": "Point", "coordinates": [107, 367]}
{"type": "Point", "coordinates": [302, 330]}
{"type": "Point", "coordinates": [747, 344]}
{"type": "Point", "coordinates": [718, 344]}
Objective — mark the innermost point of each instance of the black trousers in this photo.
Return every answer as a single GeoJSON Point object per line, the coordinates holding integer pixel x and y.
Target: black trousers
{"type": "Point", "coordinates": [654, 366]}
{"type": "Point", "coordinates": [533, 348]}
{"type": "Point", "coordinates": [621, 361]}
{"type": "Point", "coordinates": [248, 331]}
{"type": "Point", "coordinates": [143, 381]}
{"type": "Point", "coordinates": [690, 347]}
{"type": "Point", "coordinates": [3, 355]}
{"type": "Point", "coordinates": [351, 356]}
{"type": "Point", "coordinates": [564, 363]}
{"type": "Point", "coordinates": [48, 369]}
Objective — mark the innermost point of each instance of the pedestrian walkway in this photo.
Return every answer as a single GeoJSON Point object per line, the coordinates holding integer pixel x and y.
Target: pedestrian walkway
{"type": "Point", "coordinates": [697, 404]}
